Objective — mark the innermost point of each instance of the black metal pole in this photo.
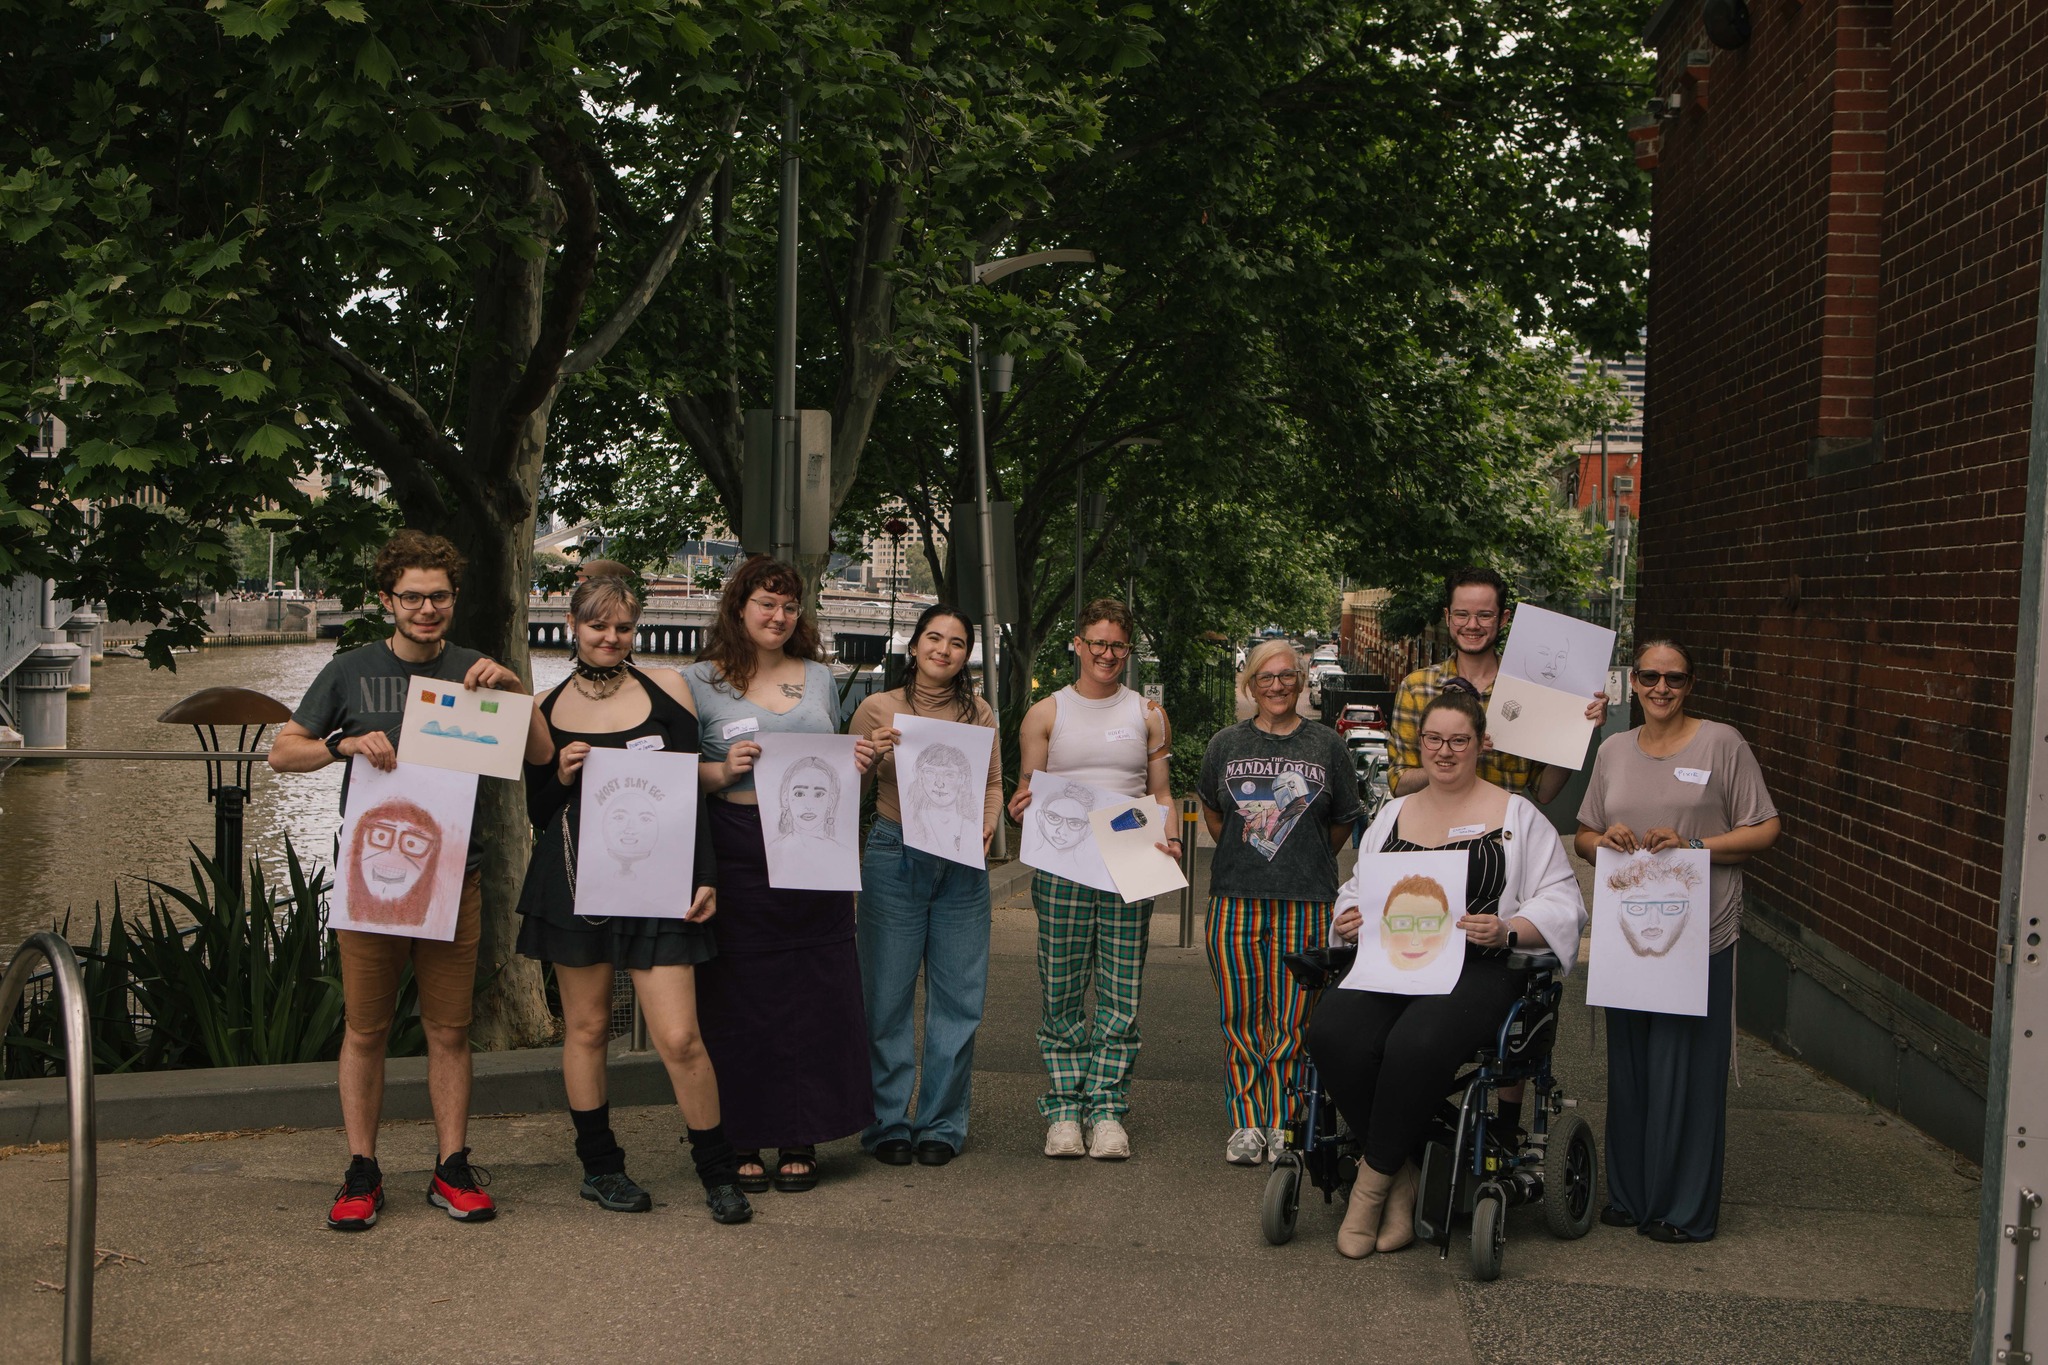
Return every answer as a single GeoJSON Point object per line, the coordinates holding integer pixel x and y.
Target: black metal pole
{"type": "Point", "coordinates": [227, 837]}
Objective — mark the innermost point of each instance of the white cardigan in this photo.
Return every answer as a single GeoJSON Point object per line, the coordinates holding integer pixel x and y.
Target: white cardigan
{"type": "Point", "coordinates": [1540, 884]}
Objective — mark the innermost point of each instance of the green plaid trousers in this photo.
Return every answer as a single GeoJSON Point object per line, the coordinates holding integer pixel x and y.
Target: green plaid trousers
{"type": "Point", "coordinates": [1085, 935]}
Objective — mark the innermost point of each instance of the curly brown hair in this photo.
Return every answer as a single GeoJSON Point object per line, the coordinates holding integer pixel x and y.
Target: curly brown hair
{"type": "Point", "coordinates": [729, 649]}
{"type": "Point", "coordinates": [416, 550]}
{"type": "Point", "coordinates": [1110, 610]}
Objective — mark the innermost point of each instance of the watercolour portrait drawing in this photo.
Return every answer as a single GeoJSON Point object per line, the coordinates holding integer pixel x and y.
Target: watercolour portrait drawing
{"type": "Point", "coordinates": [404, 841]}
{"type": "Point", "coordinates": [1409, 942]}
{"type": "Point", "coordinates": [1651, 920]}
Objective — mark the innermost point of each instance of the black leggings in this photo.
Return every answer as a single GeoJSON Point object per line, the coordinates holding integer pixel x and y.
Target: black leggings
{"type": "Point", "coordinates": [1389, 1060]}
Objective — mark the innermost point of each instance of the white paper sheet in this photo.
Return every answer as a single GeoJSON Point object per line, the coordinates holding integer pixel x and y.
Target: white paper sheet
{"type": "Point", "coordinates": [404, 839]}
{"type": "Point", "coordinates": [1537, 722]}
{"type": "Point", "coordinates": [1559, 652]}
{"type": "Point", "coordinates": [448, 726]}
{"type": "Point", "coordinates": [1651, 914]}
{"type": "Point", "coordinates": [941, 786]}
{"type": "Point", "coordinates": [1129, 849]}
{"type": "Point", "coordinates": [1409, 942]}
{"type": "Point", "coordinates": [809, 791]}
{"type": "Point", "coordinates": [1057, 837]}
{"type": "Point", "coordinates": [637, 854]}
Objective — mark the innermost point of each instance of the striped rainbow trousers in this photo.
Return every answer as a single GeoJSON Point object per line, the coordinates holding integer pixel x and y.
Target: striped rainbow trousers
{"type": "Point", "coordinates": [1263, 1011]}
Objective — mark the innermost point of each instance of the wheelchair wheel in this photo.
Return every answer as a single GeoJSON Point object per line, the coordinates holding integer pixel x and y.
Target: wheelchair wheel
{"type": "Point", "coordinates": [1571, 1174]}
{"type": "Point", "coordinates": [1489, 1232]}
{"type": "Point", "coordinates": [1282, 1203]}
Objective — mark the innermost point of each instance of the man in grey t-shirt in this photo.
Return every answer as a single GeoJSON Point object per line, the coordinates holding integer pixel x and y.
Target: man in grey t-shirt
{"type": "Point", "coordinates": [353, 709]}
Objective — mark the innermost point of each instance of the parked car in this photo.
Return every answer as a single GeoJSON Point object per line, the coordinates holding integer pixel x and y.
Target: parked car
{"type": "Point", "coordinates": [1325, 654]}
{"type": "Point", "coordinates": [1359, 715]}
{"type": "Point", "coordinates": [1318, 676]}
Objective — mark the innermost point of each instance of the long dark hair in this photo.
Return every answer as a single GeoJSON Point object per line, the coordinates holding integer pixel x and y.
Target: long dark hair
{"type": "Point", "coordinates": [963, 683]}
{"type": "Point", "coordinates": [729, 649]}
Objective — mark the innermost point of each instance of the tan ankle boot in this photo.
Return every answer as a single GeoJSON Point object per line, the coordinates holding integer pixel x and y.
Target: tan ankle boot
{"type": "Point", "coordinates": [1361, 1229]}
{"type": "Point", "coordinates": [1397, 1228]}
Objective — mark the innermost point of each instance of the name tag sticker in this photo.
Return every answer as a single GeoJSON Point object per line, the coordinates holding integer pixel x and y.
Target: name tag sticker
{"type": "Point", "coordinates": [1121, 732]}
{"type": "Point", "coordinates": [1697, 776]}
{"type": "Point", "coordinates": [1466, 831]}
{"type": "Point", "coordinates": [645, 742]}
{"type": "Point", "coordinates": [733, 729]}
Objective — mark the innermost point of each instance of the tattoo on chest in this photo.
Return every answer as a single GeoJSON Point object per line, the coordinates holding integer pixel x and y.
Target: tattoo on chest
{"type": "Point", "coordinates": [791, 690]}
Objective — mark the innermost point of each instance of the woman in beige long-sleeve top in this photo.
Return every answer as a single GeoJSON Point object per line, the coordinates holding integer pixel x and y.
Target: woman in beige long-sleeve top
{"type": "Point", "coordinates": [920, 909]}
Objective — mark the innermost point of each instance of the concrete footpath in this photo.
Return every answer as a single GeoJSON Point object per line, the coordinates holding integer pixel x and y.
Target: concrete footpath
{"type": "Point", "coordinates": [1845, 1234]}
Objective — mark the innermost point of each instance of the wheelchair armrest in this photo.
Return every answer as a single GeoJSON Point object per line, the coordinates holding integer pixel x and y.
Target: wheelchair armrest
{"type": "Point", "coordinates": [1315, 968]}
{"type": "Point", "coordinates": [1545, 961]}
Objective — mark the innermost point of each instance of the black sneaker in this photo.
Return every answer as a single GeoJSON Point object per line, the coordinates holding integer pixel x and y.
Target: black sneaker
{"type": "Point", "coordinates": [728, 1204]}
{"type": "Point", "coordinates": [360, 1197]}
{"type": "Point", "coordinates": [616, 1191]}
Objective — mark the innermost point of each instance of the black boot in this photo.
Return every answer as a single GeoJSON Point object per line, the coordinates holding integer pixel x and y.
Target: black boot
{"type": "Point", "coordinates": [605, 1182]}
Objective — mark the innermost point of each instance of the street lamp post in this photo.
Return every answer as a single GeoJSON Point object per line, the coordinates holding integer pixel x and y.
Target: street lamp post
{"type": "Point", "coordinates": [896, 527]}
{"type": "Point", "coordinates": [988, 272]}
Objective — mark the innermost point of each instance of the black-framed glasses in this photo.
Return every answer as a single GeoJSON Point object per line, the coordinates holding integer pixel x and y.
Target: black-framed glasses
{"type": "Point", "coordinates": [1457, 744]}
{"type": "Point", "coordinates": [1275, 679]}
{"type": "Point", "coordinates": [1115, 649]}
{"type": "Point", "coordinates": [413, 601]}
{"type": "Point", "coordinates": [1650, 677]}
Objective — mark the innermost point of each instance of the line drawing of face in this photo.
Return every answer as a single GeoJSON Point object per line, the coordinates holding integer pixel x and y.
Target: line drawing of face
{"type": "Point", "coordinates": [1550, 662]}
{"type": "Point", "coordinates": [1065, 821]}
{"type": "Point", "coordinates": [1415, 924]}
{"type": "Point", "coordinates": [1656, 903]}
{"type": "Point", "coordinates": [392, 859]}
{"type": "Point", "coordinates": [810, 801]}
{"type": "Point", "coordinates": [632, 826]}
{"type": "Point", "coordinates": [1653, 926]}
{"type": "Point", "coordinates": [942, 773]}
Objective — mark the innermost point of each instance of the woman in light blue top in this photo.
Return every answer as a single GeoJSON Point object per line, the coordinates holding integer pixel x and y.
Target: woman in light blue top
{"type": "Point", "coordinates": [780, 1006]}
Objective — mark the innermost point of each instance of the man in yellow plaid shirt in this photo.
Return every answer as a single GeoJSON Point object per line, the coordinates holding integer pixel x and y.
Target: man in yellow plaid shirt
{"type": "Point", "coordinates": [1477, 613]}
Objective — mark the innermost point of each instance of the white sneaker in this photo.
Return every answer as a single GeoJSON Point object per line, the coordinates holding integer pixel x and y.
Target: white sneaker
{"type": "Point", "coordinates": [1063, 1138]}
{"type": "Point", "coordinates": [1107, 1141]}
{"type": "Point", "coordinates": [1247, 1147]}
{"type": "Point", "coordinates": [1276, 1143]}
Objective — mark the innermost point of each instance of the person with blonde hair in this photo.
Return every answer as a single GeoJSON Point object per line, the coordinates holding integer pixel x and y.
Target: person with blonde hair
{"type": "Point", "coordinates": [1279, 798]}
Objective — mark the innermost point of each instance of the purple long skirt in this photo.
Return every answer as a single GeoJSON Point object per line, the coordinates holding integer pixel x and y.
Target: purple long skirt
{"type": "Point", "coordinates": [780, 1006]}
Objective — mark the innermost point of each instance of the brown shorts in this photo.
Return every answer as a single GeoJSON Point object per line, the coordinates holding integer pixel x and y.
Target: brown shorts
{"type": "Point", "coordinates": [446, 972]}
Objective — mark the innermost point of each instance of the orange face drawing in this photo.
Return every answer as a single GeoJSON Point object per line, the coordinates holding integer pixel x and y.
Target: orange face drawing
{"type": "Point", "coordinates": [1415, 924]}
{"type": "Point", "coordinates": [391, 863]}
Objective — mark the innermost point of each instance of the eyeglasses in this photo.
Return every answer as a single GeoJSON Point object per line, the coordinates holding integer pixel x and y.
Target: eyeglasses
{"type": "Point", "coordinates": [1457, 744]}
{"type": "Point", "coordinates": [773, 607]}
{"type": "Point", "coordinates": [1275, 679]}
{"type": "Point", "coordinates": [1642, 909]}
{"type": "Point", "coordinates": [1073, 824]}
{"type": "Point", "coordinates": [1650, 677]}
{"type": "Point", "coordinates": [1414, 924]}
{"type": "Point", "coordinates": [407, 840]}
{"type": "Point", "coordinates": [1115, 649]}
{"type": "Point", "coordinates": [413, 601]}
{"type": "Point", "coordinates": [1466, 618]}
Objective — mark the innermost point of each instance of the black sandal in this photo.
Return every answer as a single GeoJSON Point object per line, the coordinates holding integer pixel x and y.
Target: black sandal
{"type": "Point", "coordinates": [752, 1184]}
{"type": "Point", "coordinates": [796, 1182]}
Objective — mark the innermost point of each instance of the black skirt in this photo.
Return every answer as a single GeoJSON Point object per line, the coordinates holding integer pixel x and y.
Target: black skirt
{"type": "Point", "coordinates": [780, 1008]}
{"type": "Point", "coordinates": [551, 931]}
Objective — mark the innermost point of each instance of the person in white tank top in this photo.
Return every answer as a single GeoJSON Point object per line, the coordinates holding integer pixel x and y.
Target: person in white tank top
{"type": "Point", "coordinates": [1099, 732]}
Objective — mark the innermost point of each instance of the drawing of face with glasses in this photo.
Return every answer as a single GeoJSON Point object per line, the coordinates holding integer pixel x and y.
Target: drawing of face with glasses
{"type": "Point", "coordinates": [391, 864]}
{"type": "Point", "coordinates": [1415, 924]}
{"type": "Point", "coordinates": [1652, 925]}
{"type": "Point", "coordinates": [1065, 818]}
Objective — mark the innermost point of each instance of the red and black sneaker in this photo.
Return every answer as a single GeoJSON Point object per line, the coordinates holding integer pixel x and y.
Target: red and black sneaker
{"type": "Point", "coordinates": [457, 1187]}
{"type": "Point", "coordinates": [360, 1196]}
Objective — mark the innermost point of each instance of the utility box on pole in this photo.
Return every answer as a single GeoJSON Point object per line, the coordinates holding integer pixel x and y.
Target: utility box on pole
{"type": "Point", "coordinates": [963, 539]}
{"type": "Point", "coordinates": [806, 502]}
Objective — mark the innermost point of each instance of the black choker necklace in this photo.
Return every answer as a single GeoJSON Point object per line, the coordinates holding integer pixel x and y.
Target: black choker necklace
{"type": "Point", "coordinates": [598, 683]}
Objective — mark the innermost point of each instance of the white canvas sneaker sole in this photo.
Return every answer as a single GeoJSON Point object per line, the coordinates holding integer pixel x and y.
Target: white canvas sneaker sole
{"type": "Point", "coordinates": [1063, 1139]}
{"type": "Point", "coordinates": [1107, 1141]}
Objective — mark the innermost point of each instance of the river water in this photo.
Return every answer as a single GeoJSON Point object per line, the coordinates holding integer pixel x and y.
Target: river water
{"type": "Point", "coordinates": [73, 833]}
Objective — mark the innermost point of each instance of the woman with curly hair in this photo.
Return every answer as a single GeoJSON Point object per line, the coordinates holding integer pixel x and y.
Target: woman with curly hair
{"type": "Point", "coordinates": [780, 1005]}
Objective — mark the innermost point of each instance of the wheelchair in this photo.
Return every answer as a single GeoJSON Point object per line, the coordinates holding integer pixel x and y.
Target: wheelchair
{"type": "Point", "coordinates": [1471, 1165]}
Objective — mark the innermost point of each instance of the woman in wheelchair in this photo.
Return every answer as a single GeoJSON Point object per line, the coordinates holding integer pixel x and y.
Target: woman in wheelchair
{"type": "Point", "coordinates": [1388, 1059]}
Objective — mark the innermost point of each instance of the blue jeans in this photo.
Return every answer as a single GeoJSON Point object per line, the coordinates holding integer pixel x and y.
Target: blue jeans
{"type": "Point", "coordinates": [920, 910]}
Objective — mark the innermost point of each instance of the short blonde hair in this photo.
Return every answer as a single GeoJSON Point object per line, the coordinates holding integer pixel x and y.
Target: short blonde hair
{"type": "Point", "coordinates": [1256, 659]}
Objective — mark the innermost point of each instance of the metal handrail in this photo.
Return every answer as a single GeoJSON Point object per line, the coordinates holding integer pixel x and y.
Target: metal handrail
{"type": "Point", "coordinates": [79, 1253]}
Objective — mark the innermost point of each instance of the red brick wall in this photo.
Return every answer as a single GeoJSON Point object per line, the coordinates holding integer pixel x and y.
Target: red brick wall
{"type": "Point", "coordinates": [1844, 270]}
